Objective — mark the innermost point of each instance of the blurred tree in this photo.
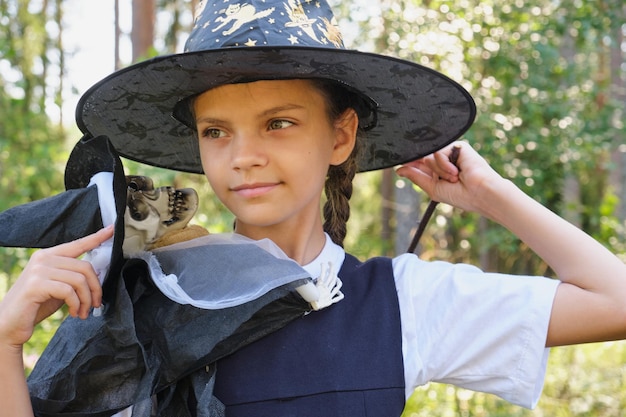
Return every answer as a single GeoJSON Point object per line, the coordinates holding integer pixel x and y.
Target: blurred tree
{"type": "Point", "coordinates": [32, 148]}
{"type": "Point", "coordinates": [142, 32]}
{"type": "Point", "coordinates": [546, 114]}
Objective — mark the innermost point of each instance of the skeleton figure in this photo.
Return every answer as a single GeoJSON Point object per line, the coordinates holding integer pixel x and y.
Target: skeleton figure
{"type": "Point", "coordinates": [151, 212]}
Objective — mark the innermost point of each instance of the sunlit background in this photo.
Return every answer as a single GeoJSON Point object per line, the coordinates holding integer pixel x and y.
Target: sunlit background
{"type": "Point", "coordinates": [548, 77]}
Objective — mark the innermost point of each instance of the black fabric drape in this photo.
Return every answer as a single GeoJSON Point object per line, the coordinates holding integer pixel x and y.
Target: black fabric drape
{"type": "Point", "coordinates": [144, 350]}
{"type": "Point", "coordinates": [45, 223]}
{"type": "Point", "coordinates": [146, 344]}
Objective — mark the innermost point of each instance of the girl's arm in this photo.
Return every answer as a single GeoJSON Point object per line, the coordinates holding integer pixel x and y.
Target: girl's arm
{"type": "Point", "coordinates": [590, 305]}
{"type": "Point", "coordinates": [52, 277]}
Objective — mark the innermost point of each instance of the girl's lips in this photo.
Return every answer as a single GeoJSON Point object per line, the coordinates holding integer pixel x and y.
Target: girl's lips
{"type": "Point", "coordinates": [253, 190]}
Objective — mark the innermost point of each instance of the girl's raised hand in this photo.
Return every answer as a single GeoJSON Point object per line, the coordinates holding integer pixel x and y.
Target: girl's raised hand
{"type": "Point", "coordinates": [53, 276]}
{"type": "Point", "coordinates": [460, 185]}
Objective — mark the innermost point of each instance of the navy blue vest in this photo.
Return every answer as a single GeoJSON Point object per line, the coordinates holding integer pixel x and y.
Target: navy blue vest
{"type": "Point", "coordinates": [343, 361]}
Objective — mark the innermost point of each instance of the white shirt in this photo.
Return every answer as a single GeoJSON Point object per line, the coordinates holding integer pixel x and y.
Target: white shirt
{"type": "Point", "coordinates": [461, 326]}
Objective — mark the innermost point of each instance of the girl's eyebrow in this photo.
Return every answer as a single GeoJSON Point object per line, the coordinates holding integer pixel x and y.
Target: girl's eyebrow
{"type": "Point", "coordinates": [209, 120]}
{"type": "Point", "coordinates": [278, 109]}
{"type": "Point", "coordinates": [265, 113]}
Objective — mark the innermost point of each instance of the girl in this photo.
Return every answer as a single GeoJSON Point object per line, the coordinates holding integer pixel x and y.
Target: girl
{"type": "Point", "coordinates": [271, 139]}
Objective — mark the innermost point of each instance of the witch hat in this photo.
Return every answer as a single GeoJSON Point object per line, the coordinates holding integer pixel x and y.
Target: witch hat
{"type": "Point", "coordinates": [409, 110]}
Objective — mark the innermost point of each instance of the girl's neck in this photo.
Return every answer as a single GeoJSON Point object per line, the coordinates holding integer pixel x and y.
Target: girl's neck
{"type": "Point", "coordinates": [301, 244]}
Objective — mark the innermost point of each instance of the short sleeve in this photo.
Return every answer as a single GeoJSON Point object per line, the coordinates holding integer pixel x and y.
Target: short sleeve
{"type": "Point", "coordinates": [481, 331]}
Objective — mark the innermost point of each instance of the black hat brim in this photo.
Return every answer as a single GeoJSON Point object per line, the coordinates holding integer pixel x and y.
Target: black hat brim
{"type": "Point", "coordinates": [419, 110]}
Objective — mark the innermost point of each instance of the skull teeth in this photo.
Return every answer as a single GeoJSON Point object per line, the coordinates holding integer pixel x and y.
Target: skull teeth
{"type": "Point", "coordinates": [176, 204]}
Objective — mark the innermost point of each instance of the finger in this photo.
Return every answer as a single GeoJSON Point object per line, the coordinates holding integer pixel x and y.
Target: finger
{"type": "Point", "coordinates": [436, 165]}
{"type": "Point", "coordinates": [424, 165]}
{"type": "Point", "coordinates": [76, 273]}
{"type": "Point", "coordinates": [86, 284]}
{"type": "Point", "coordinates": [51, 261]}
{"type": "Point", "coordinates": [415, 172]}
{"type": "Point", "coordinates": [42, 292]}
{"type": "Point", "coordinates": [80, 246]}
{"type": "Point", "coordinates": [444, 167]}
{"type": "Point", "coordinates": [57, 291]}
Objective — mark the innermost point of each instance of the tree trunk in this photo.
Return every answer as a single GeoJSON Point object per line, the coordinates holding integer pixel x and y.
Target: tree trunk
{"type": "Point", "coordinates": [407, 216]}
{"type": "Point", "coordinates": [118, 34]}
{"type": "Point", "coordinates": [387, 211]}
{"type": "Point", "coordinates": [571, 187]}
{"type": "Point", "coordinates": [142, 32]}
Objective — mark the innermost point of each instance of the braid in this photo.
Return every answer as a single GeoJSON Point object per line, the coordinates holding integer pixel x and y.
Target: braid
{"type": "Point", "coordinates": [338, 186]}
{"type": "Point", "coordinates": [338, 189]}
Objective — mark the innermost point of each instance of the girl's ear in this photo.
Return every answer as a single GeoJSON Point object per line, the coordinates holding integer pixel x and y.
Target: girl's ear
{"type": "Point", "coordinates": [346, 127]}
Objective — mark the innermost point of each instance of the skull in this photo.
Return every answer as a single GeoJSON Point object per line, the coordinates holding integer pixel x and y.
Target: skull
{"type": "Point", "coordinates": [153, 212]}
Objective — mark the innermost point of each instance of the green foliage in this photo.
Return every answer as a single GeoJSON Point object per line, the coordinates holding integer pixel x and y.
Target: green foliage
{"type": "Point", "coordinates": [547, 117]}
{"type": "Point", "coordinates": [32, 149]}
{"type": "Point", "coordinates": [364, 227]}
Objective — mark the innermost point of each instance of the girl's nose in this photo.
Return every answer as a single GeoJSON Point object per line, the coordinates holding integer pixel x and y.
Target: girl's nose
{"type": "Point", "coordinates": [247, 151]}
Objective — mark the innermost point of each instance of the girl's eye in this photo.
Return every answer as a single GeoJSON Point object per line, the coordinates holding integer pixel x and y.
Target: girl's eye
{"type": "Point", "coordinates": [213, 133]}
{"type": "Point", "coordinates": [279, 124]}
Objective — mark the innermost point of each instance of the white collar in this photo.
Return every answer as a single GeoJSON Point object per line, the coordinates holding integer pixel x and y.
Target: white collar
{"type": "Point", "coordinates": [332, 253]}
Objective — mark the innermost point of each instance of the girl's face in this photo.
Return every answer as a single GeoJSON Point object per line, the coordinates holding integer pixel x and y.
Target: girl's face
{"type": "Point", "coordinates": [266, 147]}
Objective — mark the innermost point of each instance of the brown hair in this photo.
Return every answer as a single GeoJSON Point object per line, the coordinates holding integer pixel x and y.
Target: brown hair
{"type": "Point", "coordinates": [338, 186]}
